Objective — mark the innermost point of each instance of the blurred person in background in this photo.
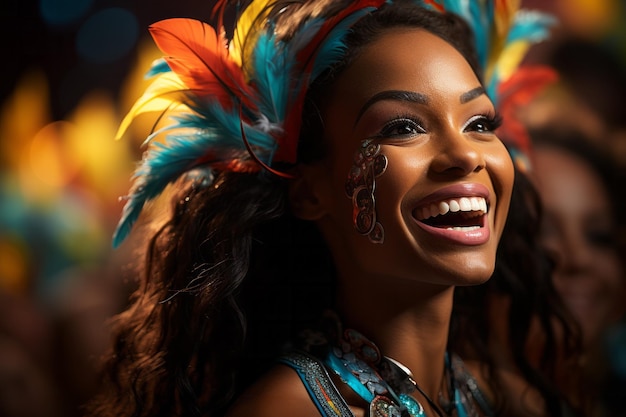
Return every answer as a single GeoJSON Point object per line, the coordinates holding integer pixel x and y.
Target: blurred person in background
{"type": "Point", "coordinates": [589, 97]}
{"type": "Point", "coordinates": [579, 189]}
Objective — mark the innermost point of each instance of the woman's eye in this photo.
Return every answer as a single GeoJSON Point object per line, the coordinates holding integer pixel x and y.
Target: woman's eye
{"type": "Point", "coordinates": [483, 124]}
{"type": "Point", "coordinates": [402, 127]}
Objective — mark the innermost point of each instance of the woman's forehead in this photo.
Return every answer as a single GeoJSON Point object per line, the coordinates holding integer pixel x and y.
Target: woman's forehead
{"type": "Point", "coordinates": [411, 60]}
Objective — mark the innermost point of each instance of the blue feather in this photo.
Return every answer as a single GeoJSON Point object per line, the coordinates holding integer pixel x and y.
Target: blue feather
{"type": "Point", "coordinates": [333, 49]}
{"type": "Point", "coordinates": [192, 134]}
{"type": "Point", "coordinates": [478, 14]}
{"type": "Point", "coordinates": [159, 66]}
{"type": "Point", "coordinates": [272, 71]}
{"type": "Point", "coordinates": [531, 25]}
{"type": "Point", "coordinates": [227, 127]}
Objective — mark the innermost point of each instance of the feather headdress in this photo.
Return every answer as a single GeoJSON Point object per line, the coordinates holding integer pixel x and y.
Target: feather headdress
{"type": "Point", "coordinates": [235, 104]}
{"type": "Point", "coordinates": [503, 34]}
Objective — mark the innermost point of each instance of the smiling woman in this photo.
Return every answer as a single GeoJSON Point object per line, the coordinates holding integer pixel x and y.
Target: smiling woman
{"type": "Point", "coordinates": [438, 149]}
{"type": "Point", "coordinates": [335, 174]}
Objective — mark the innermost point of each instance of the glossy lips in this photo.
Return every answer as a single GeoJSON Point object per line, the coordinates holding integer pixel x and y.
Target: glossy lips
{"type": "Point", "coordinates": [457, 213]}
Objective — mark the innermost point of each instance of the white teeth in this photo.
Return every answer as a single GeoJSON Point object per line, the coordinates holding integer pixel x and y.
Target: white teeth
{"type": "Point", "coordinates": [464, 204]}
{"type": "Point", "coordinates": [464, 229]}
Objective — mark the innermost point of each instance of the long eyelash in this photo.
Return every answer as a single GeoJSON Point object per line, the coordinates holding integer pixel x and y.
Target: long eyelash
{"type": "Point", "coordinates": [495, 120]}
{"type": "Point", "coordinates": [400, 118]}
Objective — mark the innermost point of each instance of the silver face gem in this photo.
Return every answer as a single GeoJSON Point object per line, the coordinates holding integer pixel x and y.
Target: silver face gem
{"type": "Point", "coordinates": [368, 164]}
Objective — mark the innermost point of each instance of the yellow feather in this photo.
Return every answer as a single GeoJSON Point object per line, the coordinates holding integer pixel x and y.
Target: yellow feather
{"type": "Point", "coordinates": [511, 58]}
{"type": "Point", "coordinates": [248, 25]}
{"type": "Point", "coordinates": [504, 16]}
{"type": "Point", "coordinates": [158, 97]}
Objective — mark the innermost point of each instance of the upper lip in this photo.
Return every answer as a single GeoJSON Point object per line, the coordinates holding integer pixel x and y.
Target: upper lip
{"type": "Point", "coordinates": [452, 192]}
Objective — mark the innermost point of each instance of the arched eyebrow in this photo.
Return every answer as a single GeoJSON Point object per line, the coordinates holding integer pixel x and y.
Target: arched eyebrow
{"type": "Point", "coordinates": [471, 94]}
{"type": "Point", "coordinates": [413, 97]}
{"type": "Point", "coordinates": [396, 95]}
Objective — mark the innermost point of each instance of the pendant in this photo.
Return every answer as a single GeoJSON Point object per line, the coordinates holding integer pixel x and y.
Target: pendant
{"type": "Point", "coordinates": [383, 407]}
{"type": "Point", "coordinates": [414, 408]}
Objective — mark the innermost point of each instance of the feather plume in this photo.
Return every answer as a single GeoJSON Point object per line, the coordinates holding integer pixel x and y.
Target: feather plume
{"type": "Point", "coordinates": [325, 36]}
{"type": "Point", "coordinates": [249, 26]}
{"type": "Point", "coordinates": [306, 54]}
{"type": "Point", "coordinates": [199, 56]}
{"type": "Point", "coordinates": [333, 48]}
{"type": "Point", "coordinates": [515, 93]}
{"type": "Point", "coordinates": [271, 72]}
{"type": "Point", "coordinates": [432, 4]}
{"type": "Point", "coordinates": [478, 14]}
{"type": "Point", "coordinates": [159, 66]}
{"type": "Point", "coordinates": [502, 34]}
{"type": "Point", "coordinates": [211, 137]}
{"type": "Point", "coordinates": [163, 94]}
{"type": "Point", "coordinates": [526, 28]}
{"type": "Point", "coordinates": [237, 106]}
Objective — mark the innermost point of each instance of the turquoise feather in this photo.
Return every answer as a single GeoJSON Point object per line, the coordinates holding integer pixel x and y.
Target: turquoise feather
{"type": "Point", "coordinates": [210, 135]}
{"type": "Point", "coordinates": [531, 25]}
{"type": "Point", "coordinates": [159, 66]}
{"type": "Point", "coordinates": [272, 72]}
{"type": "Point", "coordinates": [212, 128]}
{"type": "Point", "coordinates": [333, 49]}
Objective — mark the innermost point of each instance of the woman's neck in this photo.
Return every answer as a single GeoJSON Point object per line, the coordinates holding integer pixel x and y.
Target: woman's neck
{"type": "Point", "coordinates": [408, 321]}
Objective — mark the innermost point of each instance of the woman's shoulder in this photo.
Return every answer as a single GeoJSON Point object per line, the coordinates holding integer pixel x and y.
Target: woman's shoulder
{"type": "Point", "coordinates": [278, 393]}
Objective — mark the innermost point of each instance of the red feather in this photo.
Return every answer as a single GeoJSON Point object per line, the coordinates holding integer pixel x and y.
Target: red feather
{"type": "Point", "coordinates": [518, 91]}
{"type": "Point", "coordinates": [435, 5]}
{"type": "Point", "coordinates": [306, 58]}
{"type": "Point", "coordinates": [306, 55]}
{"type": "Point", "coordinates": [199, 56]}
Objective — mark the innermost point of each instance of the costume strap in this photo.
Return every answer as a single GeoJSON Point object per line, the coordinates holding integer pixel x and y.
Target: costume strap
{"type": "Point", "coordinates": [318, 384]}
{"type": "Point", "coordinates": [468, 384]}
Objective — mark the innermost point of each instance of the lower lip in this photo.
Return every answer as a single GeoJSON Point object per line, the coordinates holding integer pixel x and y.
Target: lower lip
{"type": "Point", "coordinates": [470, 237]}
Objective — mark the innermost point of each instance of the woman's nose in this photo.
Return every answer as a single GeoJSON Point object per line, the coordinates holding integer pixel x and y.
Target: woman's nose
{"type": "Point", "coordinates": [456, 154]}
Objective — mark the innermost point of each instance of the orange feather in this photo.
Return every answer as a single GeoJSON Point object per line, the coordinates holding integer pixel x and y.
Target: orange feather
{"type": "Point", "coordinates": [199, 56]}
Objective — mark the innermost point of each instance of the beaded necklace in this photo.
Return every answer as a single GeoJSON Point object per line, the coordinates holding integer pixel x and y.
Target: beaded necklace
{"type": "Point", "coordinates": [385, 384]}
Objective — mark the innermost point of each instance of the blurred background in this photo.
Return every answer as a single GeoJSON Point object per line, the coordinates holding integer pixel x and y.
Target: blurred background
{"type": "Point", "coordinates": [72, 68]}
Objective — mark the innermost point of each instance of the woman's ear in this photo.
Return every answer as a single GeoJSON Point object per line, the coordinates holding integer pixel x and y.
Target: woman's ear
{"type": "Point", "coordinates": [308, 190]}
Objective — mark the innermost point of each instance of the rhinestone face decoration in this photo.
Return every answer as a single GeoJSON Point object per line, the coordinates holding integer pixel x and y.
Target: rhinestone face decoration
{"type": "Point", "coordinates": [368, 164]}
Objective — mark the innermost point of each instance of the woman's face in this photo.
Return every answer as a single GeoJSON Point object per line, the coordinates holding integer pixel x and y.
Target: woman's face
{"type": "Point", "coordinates": [578, 229]}
{"type": "Point", "coordinates": [416, 96]}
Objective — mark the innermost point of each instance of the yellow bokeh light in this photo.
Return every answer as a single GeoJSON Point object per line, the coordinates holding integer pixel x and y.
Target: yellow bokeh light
{"type": "Point", "coordinates": [590, 18]}
{"type": "Point", "coordinates": [23, 114]}
{"type": "Point", "coordinates": [107, 163]}
{"type": "Point", "coordinates": [14, 272]}
{"type": "Point", "coordinates": [49, 166]}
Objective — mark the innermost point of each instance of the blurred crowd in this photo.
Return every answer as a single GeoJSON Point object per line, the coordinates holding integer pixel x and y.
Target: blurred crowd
{"type": "Point", "coordinates": [62, 173]}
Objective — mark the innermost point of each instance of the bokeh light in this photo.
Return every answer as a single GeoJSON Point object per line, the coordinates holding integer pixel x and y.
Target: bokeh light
{"type": "Point", "coordinates": [77, 70]}
{"type": "Point", "coordinates": [107, 35]}
{"type": "Point", "coordinates": [63, 12]}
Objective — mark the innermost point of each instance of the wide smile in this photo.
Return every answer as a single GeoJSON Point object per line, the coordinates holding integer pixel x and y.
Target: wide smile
{"type": "Point", "coordinates": [458, 214]}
